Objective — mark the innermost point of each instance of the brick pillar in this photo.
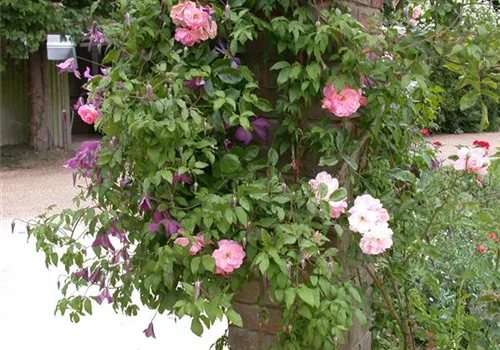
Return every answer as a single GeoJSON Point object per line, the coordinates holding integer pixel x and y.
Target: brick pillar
{"type": "Point", "coordinates": [262, 318]}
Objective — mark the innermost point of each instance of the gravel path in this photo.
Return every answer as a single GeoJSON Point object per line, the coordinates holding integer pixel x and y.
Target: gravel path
{"type": "Point", "coordinates": [28, 292]}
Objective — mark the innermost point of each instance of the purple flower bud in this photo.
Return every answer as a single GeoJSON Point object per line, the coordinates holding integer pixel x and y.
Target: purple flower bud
{"type": "Point", "coordinates": [197, 289]}
{"type": "Point", "coordinates": [124, 182]}
{"type": "Point", "coordinates": [195, 186]}
{"type": "Point", "coordinates": [149, 92]}
{"type": "Point", "coordinates": [127, 20]}
{"type": "Point", "coordinates": [235, 62]}
{"type": "Point", "coordinates": [102, 283]}
{"type": "Point", "coordinates": [145, 204]}
{"type": "Point", "coordinates": [80, 102]}
{"type": "Point", "coordinates": [150, 331]}
{"type": "Point", "coordinates": [244, 241]}
{"type": "Point", "coordinates": [105, 295]}
{"type": "Point", "coordinates": [87, 74]}
{"type": "Point", "coordinates": [95, 275]}
{"type": "Point", "coordinates": [228, 144]}
{"type": "Point", "coordinates": [227, 11]}
{"type": "Point", "coordinates": [181, 178]}
{"type": "Point", "coordinates": [194, 83]}
{"type": "Point", "coordinates": [82, 273]}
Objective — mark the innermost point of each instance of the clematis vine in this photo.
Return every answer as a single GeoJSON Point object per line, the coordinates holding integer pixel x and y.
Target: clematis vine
{"type": "Point", "coordinates": [85, 160]}
{"type": "Point", "coordinates": [163, 218]}
{"type": "Point", "coordinates": [95, 36]}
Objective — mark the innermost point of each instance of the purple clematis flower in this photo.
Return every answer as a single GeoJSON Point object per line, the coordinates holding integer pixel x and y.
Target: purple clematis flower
{"type": "Point", "coordinates": [145, 204]}
{"type": "Point", "coordinates": [150, 331]}
{"type": "Point", "coordinates": [197, 289]}
{"type": "Point", "coordinates": [164, 218]}
{"type": "Point", "coordinates": [124, 182]}
{"type": "Point", "coordinates": [121, 235]}
{"type": "Point", "coordinates": [82, 273]}
{"type": "Point", "coordinates": [235, 62]}
{"type": "Point", "coordinates": [261, 128]}
{"type": "Point", "coordinates": [181, 178]}
{"type": "Point", "coordinates": [221, 48]}
{"type": "Point", "coordinates": [103, 241]}
{"type": "Point", "coordinates": [194, 83]}
{"type": "Point", "coordinates": [105, 295]}
{"type": "Point", "coordinates": [85, 160]}
{"type": "Point", "coordinates": [96, 37]}
{"type": "Point", "coordinates": [69, 66]}
{"type": "Point", "coordinates": [80, 102]}
{"type": "Point", "coordinates": [94, 277]}
{"type": "Point", "coordinates": [87, 74]}
{"type": "Point", "coordinates": [228, 144]}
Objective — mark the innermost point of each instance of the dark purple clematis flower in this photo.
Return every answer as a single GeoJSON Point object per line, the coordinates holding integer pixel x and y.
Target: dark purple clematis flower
{"type": "Point", "coordinates": [228, 144]}
{"type": "Point", "coordinates": [87, 74]}
{"type": "Point", "coordinates": [194, 84]}
{"type": "Point", "coordinates": [164, 218]}
{"type": "Point", "coordinates": [69, 66]}
{"type": "Point", "coordinates": [145, 204]}
{"type": "Point", "coordinates": [436, 164]}
{"type": "Point", "coordinates": [150, 331]}
{"type": "Point", "coordinates": [235, 62]}
{"type": "Point", "coordinates": [94, 277]}
{"type": "Point", "coordinates": [181, 178]}
{"type": "Point", "coordinates": [124, 182]}
{"type": "Point", "coordinates": [85, 160]}
{"type": "Point", "coordinates": [367, 82]}
{"type": "Point", "coordinates": [82, 273]}
{"type": "Point", "coordinates": [103, 241]}
{"type": "Point", "coordinates": [96, 37]}
{"type": "Point", "coordinates": [208, 9]}
{"type": "Point", "coordinates": [121, 254]}
{"type": "Point", "coordinates": [105, 295]}
{"type": "Point", "coordinates": [261, 128]}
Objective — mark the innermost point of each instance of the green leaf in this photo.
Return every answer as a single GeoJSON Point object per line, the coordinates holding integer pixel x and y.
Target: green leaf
{"type": "Point", "coordinates": [338, 195]}
{"type": "Point", "coordinates": [242, 216]}
{"type": "Point", "coordinates": [195, 264]}
{"type": "Point", "coordinates": [468, 100]}
{"type": "Point", "coordinates": [87, 305]}
{"type": "Point", "coordinates": [273, 157]}
{"type": "Point", "coordinates": [484, 117]}
{"type": "Point", "coordinates": [230, 76]}
{"type": "Point", "coordinates": [280, 65]}
{"type": "Point", "coordinates": [234, 318]}
{"type": "Point", "coordinates": [351, 162]}
{"type": "Point", "coordinates": [289, 297]}
{"type": "Point", "coordinates": [208, 263]}
{"type": "Point", "coordinates": [307, 295]}
{"type": "Point", "coordinates": [111, 56]}
{"type": "Point", "coordinates": [229, 163]}
{"type": "Point", "coordinates": [361, 317]}
{"type": "Point", "coordinates": [196, 327]}
{"type": "Point", "coordinates": [218, 103]}
{"type": "Point", "coordinates": [283, 76]}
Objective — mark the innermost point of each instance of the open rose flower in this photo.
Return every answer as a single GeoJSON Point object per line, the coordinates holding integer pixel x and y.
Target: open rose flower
{"type": "Point", "coordinates": [343, 104]}
{"type": "Point", "coordinates": [472, 160]}
{"type": "Point", "coordinates": [194, 23]}
{"type": "Point", "coordinates": [337, 208]}
{"type": "Point", "coordinates": [377, 240]}
{"type": "Point", "coordinates": [228, 257]}
{"type": "Point", "coordinates": [483, 144]}
{"type": "Point", "coordinates": [88, 113]}
{"type": "Point", "coordinates": [367, 213]}
{"type": "Point", "coordinates": [330, 183]}
{"type": "Point", "coordinates": [194, 17]}
{"type": "Point", "coordinates": [186, 37]}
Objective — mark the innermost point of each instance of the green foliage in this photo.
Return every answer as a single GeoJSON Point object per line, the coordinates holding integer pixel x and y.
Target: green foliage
{"type": "Point", "coordinates": [258, 195]}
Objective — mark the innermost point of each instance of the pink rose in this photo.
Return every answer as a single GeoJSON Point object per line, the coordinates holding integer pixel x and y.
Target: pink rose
{"type": "Point", "coordinates": [417, 12]}
{"type": "Point", "coordinates": [323, 178]}
{"type": "Point", "coordinates": [228, 257]}
{"type": "Point", "coordinates": [337, 208]}
{"type": "Point", "coordinates": [194, 17]}
{"type": "Point", "coordinates": [186, 37]}
{"type": "Point", "coordinates": [195, 247]}
{"type": "Point", "coordinates": [413, 22]}
{"type": "Point", "coordinates": [472, 160]}
{"type": "Point", "coordinates": [481, 249]}
{"type": "Point", "coordinates": [344, 104]}
{"type": "Point", "coordinates": [366, 214]}
{"type": "Point", "coordinates": [88, 113]}
{"type": "Point", "coordinates": [177, 12]}
{"type": "Point", "coordinates": [377, 240]}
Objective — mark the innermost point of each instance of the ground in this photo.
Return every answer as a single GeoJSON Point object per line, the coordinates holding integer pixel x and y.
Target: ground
{"type": "Point", "coordinates": [28, 292]}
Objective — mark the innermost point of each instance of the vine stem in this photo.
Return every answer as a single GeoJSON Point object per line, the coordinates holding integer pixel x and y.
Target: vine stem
{"type": "Point", "coordinates": [388, 301]}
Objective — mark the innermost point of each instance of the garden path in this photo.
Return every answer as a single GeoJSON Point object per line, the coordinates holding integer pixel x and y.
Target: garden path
{"type": "Point", "coordinates": [28, 292]}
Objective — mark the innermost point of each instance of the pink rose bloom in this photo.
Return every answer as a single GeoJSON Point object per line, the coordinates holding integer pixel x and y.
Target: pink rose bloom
{"type": "Point", "coordinates": [377, 240]}
{"type": "Point", "coordinates": [194, 17]}
{"type": "Point", "coordinates": [186, 37]}
{"type": "Point", "coordinates": [177, 12]}
{"type": "Point", "coordinates": [195, 247]}
{"type": "Point", "coordinates": [228, 257]}
{"type": "Point", "coordinates": [338, 208]}
{"type": "Point", "coordinates": [344, 104]}
{"type": "Point", "coordinates": [417, 12]}
{"type": "Point", "coordinates": [366, 214]}
{"type": "Point", "coordinates": [88, 113]}
{"type": "Point", "coordinates": [323, 178]}
{"type": "Point", "coordinates": [413, 22]}
{"type": "Point", "coordinates": [362, 221]}
{"type": "Point", "coordinates": [472, 160]}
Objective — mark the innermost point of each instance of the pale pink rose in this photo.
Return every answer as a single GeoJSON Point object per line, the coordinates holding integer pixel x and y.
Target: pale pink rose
{"type": "Point", "coordinates": [417, 12]}
{"type": "Point", "coordinates": [194, 17]}
{"type": "Point", "coordinates": [228, 257]}
{"type": "Point", "coordinates": [377, 240]}
{"type": "Point", "coordinates": [337, 208]}
{"type": "Point", "coordinates": [88, 113]}
{"type": "Point", "coordinates": [195, 246]}
{"type": "Point", "coordinates": [472, 160]}
{"type": "Point", "coordinates": [331, 183]}
{"type": "Point", "coordinates": [413, 22]}
{"type": "Point", "coordinates": [366, 214]}
{"type": "Point", "coordinates": [343, 104]}
{"type": "Point", "coordinates": [177, 12]}
{"type": "Point", "coordinates": [186, 37]}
